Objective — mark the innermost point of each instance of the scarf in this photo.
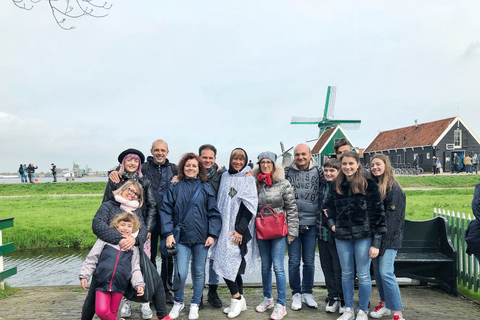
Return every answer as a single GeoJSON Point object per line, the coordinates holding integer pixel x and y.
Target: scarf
{"type": "Point", "coordinates": [131, 175]}
{"type": "Point", "coordinates": [267, 178]}
{"type": "Point", "coordinates": [211, 172]}
{"type": "Point", "coordinates": [127, 205]}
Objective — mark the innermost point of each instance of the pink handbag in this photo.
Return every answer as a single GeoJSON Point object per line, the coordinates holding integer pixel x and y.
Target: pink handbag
{"type": "Point", "coordinates": [273, 226]}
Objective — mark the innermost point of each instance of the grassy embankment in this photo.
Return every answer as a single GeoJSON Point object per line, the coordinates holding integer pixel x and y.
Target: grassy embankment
{"type": "Point", "coordinates": [42, 221]}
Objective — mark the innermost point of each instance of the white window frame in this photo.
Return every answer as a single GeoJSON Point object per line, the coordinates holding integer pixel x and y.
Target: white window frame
{"type": "Point", "coordinates": [457, 138]}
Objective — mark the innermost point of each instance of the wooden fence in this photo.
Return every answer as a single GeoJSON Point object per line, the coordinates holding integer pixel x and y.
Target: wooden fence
{"type": "Point", "coordinates": [467, 266]}
{"type": "Point", "coordinates": [4, 249]}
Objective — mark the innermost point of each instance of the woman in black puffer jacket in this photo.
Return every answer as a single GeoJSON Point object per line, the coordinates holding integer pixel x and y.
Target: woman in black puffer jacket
{"type": "Point", "coordinates": [354, 210]}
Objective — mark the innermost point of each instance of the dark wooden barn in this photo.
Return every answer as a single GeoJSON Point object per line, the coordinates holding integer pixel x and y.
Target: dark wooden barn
{"type": "Point", "coordinates": [439, 139]}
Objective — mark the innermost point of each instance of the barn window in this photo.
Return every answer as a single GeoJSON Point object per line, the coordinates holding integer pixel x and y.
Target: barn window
{"type": "Point", "coordinates": [457, 138]}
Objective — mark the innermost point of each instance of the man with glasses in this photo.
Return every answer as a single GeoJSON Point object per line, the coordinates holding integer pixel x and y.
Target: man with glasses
{"type": "Point", "coordinates": [304, 176]}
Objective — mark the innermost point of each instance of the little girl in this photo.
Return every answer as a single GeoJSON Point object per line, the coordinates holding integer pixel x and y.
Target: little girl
{"type": "Point", "coordinates": [113, 268]}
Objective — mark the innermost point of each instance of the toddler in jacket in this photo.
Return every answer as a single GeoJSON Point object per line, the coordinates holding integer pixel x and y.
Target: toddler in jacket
{"type": "Point", "coordinates": [113, 268]}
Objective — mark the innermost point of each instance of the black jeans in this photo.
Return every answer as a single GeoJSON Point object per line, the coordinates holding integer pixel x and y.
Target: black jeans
{"type": "Point", "coordinates": [331, 268]}
{"type": "Point", "coordinates": [158, 299]}
{"type": "Point", "coordinates": [167, 262]}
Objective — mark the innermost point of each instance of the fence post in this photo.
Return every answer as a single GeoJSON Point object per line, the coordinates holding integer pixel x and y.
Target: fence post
{"type": "Point", "coordinates": [4, 249]}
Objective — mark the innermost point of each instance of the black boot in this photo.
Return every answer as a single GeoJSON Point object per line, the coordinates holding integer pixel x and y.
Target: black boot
{"type": "Point", "coordinates": [213, 296]}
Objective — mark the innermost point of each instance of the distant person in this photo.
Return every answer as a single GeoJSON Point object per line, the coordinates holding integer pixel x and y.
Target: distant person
{"type": "Point", "coordinates": [439, 166]}
{"type": "Point", "coordinates": [31, 172]}
{"type": "Point", "coordinates": [54, 172]}
{"type": "Point", "coordinates": [415, 166]}
{"type": "Point", "coordinates": [468, 164]}
{"type": "Point", "coordinates": [456, 163]}
{"type": "Point", "coordinates": [475, 163]}
{"type": "Point", "coordinates": [23, 175]}
{"type": "Point", "coordinates": [326, 244]}
{"type": "Point", "coordinates": [250, 164]}
{"type": "Point", "coordinates": [472, 235]}
{"type": "Point", "coordinates": [114, 267]}
{"type": "Point", "coordinates": [434, 165]}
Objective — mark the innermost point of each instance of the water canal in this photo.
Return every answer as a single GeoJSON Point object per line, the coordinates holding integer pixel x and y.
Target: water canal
{"type": "Point", "coordinates": [58, 267]}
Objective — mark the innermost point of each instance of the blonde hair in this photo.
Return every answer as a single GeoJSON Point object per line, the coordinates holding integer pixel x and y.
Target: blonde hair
{"type": "Point", "coordinates": [127, 184]}
{"type": "Point", "coordinates": [127, 217]}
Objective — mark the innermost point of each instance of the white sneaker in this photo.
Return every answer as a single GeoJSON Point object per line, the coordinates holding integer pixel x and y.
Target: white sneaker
{"type": "Point", "coordinates": [236, 307]}
{"type": "Point", "coordinates": [193, 314]}
{"type": "Point", "coordinates": [265, 304]}
{"type": "Point", "coordinates": [126, 310]}
{"type": "Point", "coordinates": [146, 311]}
{"type": "Point", "coordinates": [348, 314]}
{"type": "Point", "coordinates": [296, 301]}
{"type": "Point", "coordinates": [380, 311]}
{"type": "Point", "coordinates": [332, 306]}
{"type": "Point", "coordinates": [308, 299]}
{"type": "Point", "coordinates": [177, 307]}
{"type": "Point", "coordinates": [361, 315]}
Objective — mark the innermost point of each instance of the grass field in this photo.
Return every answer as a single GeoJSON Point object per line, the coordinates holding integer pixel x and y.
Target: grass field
{"type": "Point", "coordinates": [65, 221]}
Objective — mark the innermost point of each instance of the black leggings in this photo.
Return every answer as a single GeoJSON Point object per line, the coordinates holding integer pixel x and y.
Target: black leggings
{"type": "Point", "coordinates": [235, 286]}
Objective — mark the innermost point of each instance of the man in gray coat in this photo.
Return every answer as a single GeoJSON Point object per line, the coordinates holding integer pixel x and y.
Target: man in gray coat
{"type": "Point", "coordinates": [304, 176]}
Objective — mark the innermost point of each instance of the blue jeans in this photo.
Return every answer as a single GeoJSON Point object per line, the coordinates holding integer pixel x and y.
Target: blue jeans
{"type": "Point", "coordinates": [386, 281]}
{"type": "Point", "coordinates": [24, 178]}
{"type": "Point", "coordinates": [302, 247]}
{"type": "Point", "coordinates": [352, 252]}
{"type": "Point", "coordinates": [212, 275]}
{"type": "Point", "coordinates": [273, 252]}
{"type": "Point", "coordinates": [198, 252]}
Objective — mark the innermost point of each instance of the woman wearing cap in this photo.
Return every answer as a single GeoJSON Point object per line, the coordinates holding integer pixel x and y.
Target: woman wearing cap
{"type": "Point", "coordinates": [274, 191]}
{"type": "Point", "coordinates": [131, 169]}
{"type": "Point", "coordinates": [236, 250]}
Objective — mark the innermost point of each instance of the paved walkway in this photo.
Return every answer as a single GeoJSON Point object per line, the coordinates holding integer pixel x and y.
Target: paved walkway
{"type": "Point", "coordinates": [65, 303]}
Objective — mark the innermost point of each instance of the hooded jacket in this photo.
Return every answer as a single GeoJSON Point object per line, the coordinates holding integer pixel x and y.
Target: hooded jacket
{"type": "Point", "coordinates": [279, 196]}
{"type": "Point", "coordinates": [202, 221]}
{"type": "Point", "coordinates": [356, 216]}
{"type": "Point", "coordinates": [472, 235]}
{"type": "Point", "coordinates": [307, 191]}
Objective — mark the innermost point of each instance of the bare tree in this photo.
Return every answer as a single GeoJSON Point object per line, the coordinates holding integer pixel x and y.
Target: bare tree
{"type": "Point", "coordinates": [63, 10]}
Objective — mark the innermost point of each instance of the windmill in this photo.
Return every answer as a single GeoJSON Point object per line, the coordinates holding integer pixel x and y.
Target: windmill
{"type": "Point", "coordinates": [327, 121]}
{"type": "Point", "coordinates": [287, 156]}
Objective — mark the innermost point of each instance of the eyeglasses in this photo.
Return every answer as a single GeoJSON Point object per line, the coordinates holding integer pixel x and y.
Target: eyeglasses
{"type": "Point", "coordinates": [133, 192]}
{"type": "Point", "coordinates": [263, 163]}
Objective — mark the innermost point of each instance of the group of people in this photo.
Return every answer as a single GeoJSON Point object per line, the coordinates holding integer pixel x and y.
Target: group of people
{"type": "Point", "coordinates": [469, 162]}
{"type": "Point", "coordinates": [204, 212]}
{"type": "Point", "coordinates": [27, 173]}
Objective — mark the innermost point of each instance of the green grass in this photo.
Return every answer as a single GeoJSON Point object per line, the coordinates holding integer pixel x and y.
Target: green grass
{"type": "Point", "coordinates": [420, 203]}
{"type": "Point", "coordinates": [8, 291]}
{"type": "Point", "coordinates": [50, 222]}
{"type": "Point", "coordinates": [439, 181]}
{"type": "Point", "coordinates": [18, 189]}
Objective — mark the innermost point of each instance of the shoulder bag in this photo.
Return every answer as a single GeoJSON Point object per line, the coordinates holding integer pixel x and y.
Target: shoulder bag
{"type": "Point", "coordinates": [273, 226]}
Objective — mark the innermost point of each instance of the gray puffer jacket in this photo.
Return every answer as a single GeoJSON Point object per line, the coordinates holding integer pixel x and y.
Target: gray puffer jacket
{"type": "Point", "coordinates": [279, 196]}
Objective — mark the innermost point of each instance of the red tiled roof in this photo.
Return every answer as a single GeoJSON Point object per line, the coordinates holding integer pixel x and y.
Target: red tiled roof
{"type": "Point", "coordinates": [424, 135]}
{"type": "Point", "coordinates": [322, 140]}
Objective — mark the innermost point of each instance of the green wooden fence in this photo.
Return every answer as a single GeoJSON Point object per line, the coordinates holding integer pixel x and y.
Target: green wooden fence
{"type": "Point", "coordinates": [467, 266]}
{"type": "Point", "coordinates": [4, 249]}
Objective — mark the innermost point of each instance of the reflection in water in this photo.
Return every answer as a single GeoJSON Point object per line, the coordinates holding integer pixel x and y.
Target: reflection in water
{"type": "Point", "coordinates": [58, 267]}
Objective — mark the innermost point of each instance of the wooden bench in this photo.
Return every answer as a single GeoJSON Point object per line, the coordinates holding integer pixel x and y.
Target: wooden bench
{"type": "Point", "coordinates": [427, 254]}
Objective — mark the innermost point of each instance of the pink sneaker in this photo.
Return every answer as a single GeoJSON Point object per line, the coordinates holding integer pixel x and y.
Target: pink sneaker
{"type": "Point", "coordinates": [266, 304]}
{"type": "Point", "coordinates": [278, 312]}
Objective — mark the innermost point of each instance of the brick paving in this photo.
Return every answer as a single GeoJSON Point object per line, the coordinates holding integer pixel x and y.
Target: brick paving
{"type": "Point", "coordinates": [65, 302]}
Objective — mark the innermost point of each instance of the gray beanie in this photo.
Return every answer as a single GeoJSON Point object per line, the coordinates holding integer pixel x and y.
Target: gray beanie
{"type": "Point", "coordinates": [267, 155]}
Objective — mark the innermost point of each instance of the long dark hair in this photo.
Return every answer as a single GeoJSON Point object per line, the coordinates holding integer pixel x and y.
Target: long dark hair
{"type": "Point", "coordinates": [202, 172]}
{"type": "Point", "coordinates": [358, 184]}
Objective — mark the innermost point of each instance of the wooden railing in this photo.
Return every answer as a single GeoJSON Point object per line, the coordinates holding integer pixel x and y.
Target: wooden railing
{"type": "Point", "coordinates": [4, 249]}
{"type": "Point", "coordinates": [467, 266]}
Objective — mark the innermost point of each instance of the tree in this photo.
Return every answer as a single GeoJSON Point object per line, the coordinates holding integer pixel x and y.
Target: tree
{"type": "Point", "coordinates": [64, 10]}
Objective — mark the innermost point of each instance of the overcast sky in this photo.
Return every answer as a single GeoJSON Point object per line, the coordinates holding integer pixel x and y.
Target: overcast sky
{"type": "Point", "coordinates": [229, 73]}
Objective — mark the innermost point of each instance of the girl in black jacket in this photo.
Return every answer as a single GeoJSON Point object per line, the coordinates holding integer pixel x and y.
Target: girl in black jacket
{"type": "Point", "coordinates": [394, 202]}
{"type": "Point", "coordinates": [354, 210]}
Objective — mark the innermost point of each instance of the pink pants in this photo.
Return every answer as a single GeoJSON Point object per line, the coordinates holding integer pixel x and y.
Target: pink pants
{"type": "Point", "coordinates": [106, 304]}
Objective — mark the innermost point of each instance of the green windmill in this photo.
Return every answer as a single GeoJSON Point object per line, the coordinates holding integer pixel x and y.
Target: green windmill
{"type": "Point", "coordinates": [327, 121]}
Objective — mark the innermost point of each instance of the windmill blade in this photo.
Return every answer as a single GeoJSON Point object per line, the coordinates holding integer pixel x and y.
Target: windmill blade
{"type": "Point", "coordinates": [350, 125]}
{"type": "Point", "coordinates": [305, 120]}
{"type": "Point", "coordinates": [282, 147]}
{"type": "Point", "coordinates": [331, 102]}
{"type": "Point", "coordinates": [288, 150]}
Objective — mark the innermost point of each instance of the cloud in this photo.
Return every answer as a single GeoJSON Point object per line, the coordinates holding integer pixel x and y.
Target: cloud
{"type": "Point", "coordinates": [473, 50]}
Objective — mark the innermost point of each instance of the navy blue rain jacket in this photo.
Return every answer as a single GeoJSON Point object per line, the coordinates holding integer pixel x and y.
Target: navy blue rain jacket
{"type": "Point", "coordinates": [202, 221]}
